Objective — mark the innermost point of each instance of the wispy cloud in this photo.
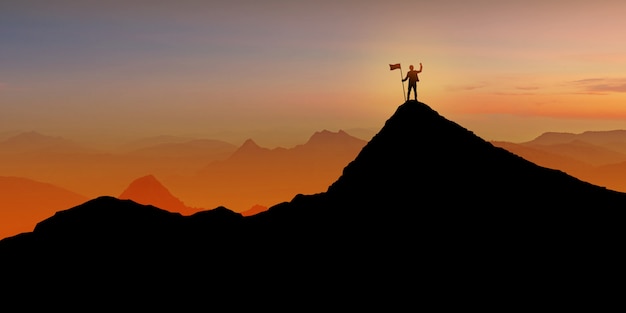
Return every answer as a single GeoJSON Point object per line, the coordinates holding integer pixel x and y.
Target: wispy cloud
{"type": "Point", "coordinates": [527, 87]}
{"type": "Point", "coordinates": [606, 58]}
{"type": "Point", "coordinates": [599, 86]}
{"type": "Point", "coordinates": [504, 93]}
{"type": "Point", "coordinates": [466, 87]}
{"type": "Point", "coordinates": [519, 91]}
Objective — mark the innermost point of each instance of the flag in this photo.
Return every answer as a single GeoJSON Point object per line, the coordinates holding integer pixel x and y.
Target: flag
{"type": "Point", "coordinates": [394, 66]}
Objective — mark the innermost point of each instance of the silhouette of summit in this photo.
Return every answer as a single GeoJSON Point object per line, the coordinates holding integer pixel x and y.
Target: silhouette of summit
{"type": "Point", "coordinates": [419, 156]}
{"type": "Point", "coordinates": [425, 204]}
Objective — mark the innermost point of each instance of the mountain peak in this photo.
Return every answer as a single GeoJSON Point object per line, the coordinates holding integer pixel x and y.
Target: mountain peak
{"type": "Point", "coordinates": [33, 141]}
{"type": "Point", "coordinates": [249, 144]}
{"type": "Point", "coordinates": [325, 134]}
{"type": "Point", "coordinates": [33, 138]}
{"type": "Point", "coordinates": [328, 137]}
{"type": "Point", "coordinates": [427, 157]}
{"type": "Point", "coordinates": [148, 190]}
{"type": "Point", "coordinates": [249, 147]}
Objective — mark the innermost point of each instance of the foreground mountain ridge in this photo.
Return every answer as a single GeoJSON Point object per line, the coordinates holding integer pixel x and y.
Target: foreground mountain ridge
{"type": "Point", "coordinates": [426, 202]}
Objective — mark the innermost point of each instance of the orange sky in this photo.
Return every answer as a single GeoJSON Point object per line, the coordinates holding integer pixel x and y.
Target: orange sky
{"type": "Point", "coordinates": [277, 71]}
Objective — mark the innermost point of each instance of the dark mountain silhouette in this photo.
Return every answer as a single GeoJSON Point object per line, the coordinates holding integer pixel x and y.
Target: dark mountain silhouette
{"type": "Point", "coordinates": [426, 213]}
{"type": "Point", "coordinates": [148, 190]}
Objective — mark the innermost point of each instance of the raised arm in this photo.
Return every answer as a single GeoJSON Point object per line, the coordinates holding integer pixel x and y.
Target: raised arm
{"type": "Point", "coordinates": [420, 70]}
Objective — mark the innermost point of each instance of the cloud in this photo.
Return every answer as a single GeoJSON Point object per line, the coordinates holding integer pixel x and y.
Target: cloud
{"type": "Point", "coordinates": [514, 93]}
{"type": "Point", "coordinates": [523, 91]}
{"type": "Point", "coordinates": [466, 87]}
{"type": "Point", "coordinates": [608, 87]}
{"type": "Point", "coordinates": [605, 58]}
{"type": "Point", "coordinates": [599, 86]}
{"type": "Point", "coordinates": [588, 81]}
{"type": "Point", "coordinates": [527, 87]}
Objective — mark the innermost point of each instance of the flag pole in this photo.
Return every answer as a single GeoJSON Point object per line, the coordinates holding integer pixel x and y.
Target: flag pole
{"type": "Point", "coordinates": [401, 78]}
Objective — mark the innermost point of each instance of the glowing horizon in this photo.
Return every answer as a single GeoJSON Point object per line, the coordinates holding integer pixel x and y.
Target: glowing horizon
{"type": "Point", "coordinates": [124, 70]}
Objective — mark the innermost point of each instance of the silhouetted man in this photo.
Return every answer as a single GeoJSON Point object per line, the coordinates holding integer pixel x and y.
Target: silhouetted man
{"type": "Point", "coordinates": [411, 75]}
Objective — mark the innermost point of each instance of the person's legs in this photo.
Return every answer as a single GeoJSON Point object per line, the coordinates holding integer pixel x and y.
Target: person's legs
{"type": "Point", "coordinates": [408, 93]}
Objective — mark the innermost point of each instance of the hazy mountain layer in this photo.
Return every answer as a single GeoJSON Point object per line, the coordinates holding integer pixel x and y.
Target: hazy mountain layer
{"type": "Point", "coordinates": [193, 175]}
{"type": "Point", "coordinates": [25, 202]}
{"type": "Point", "coordinates": [598, 157]}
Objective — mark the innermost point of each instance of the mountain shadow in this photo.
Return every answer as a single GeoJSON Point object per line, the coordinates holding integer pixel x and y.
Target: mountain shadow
{"type": "Point", "coordinates": [426, 211]}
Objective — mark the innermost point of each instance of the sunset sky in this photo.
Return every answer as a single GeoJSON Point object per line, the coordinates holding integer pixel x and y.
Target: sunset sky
{"type": "Point", "coordinates": [277, 71]}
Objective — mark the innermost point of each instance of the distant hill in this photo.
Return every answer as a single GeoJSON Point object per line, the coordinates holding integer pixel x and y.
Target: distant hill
{"type": "Point", "coordinates": [63, 163]}
{"type": "Point", "coordinates": [254, 210]}
{"type": "Point", "coordinates": [426, 210]}
{"type": "Point", "coordinates": [609, 138]}
{"type": "Point", "coordinates": [594, 156]}
{"type": "Point", "coordinates": [585, 151]}
{"type": "Point", "coordinates": [599, 147]}
{"type": "Point", "coordinates": [25, 202]}
{"type": "Point", "coordinates": [549, 158]}
{"type": "Point", "coordinates": [153, 141]}
{"type": "Point", "coordinates": [36, 143]}
{"type": "Point", "coordinates": [148, 190]}
{"type": "Point", "coordinates": [207, 149]}
{"type": "Point", "coordinates": [179, 158]}
{"type": "Point", "coordinates": [187, 166]}
{"type": "Point", "coordinates": [254, 175]}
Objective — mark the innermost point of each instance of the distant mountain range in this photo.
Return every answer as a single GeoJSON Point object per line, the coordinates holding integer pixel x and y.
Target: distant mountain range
{"type": "Point", "coordinates": [93, 172]}
{"type": "Point", "coordinates": [213, 173]}
{"type": "Point", "coordinates": [254, 175]}
{"type": "Point", "coordinates": [598, 157]}
{"type": "Point", "coordinates": [426, 210]}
